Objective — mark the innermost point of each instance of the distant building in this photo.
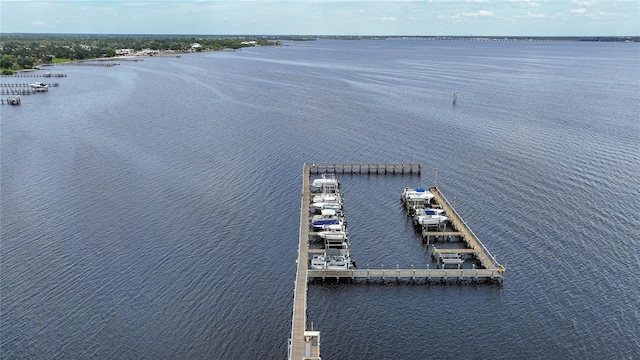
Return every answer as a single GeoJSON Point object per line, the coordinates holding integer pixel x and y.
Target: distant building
{"type": "Point", "coordinates": [124, 51]}
{"type": "Point", "coordinates": [147, 52]}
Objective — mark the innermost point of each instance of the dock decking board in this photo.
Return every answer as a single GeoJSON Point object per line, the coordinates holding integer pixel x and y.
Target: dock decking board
{"type": "Point", "coordinates": [485, 258]}
{"type": "Point", "coordinates": [367, 168]}
{"type": "Point", "coordinates": [299, 319]}
{"type": "Point", "coordinates": [434, 274]}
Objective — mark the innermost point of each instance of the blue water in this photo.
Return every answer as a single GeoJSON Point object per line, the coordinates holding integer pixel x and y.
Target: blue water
{"type": "Point", "coordinates": [151, 210]}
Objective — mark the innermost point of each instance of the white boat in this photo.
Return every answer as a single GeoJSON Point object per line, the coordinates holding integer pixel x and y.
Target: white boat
{"type": "Point", "coordinates": [328, 224]}
{"type": "Point", "coordinates": [327, 217]}
{"type": "Point", "coordinates": [319, 206]}
{"type": "Point", "coordinates": [333, 235]}
{"type": "Point", "coordinates": [417, 197]}
{"type": "Point", "coordinates": [334, 227]}
{"type": "Point", "coordinates": [335, 262]}
{"type": "Point", "coordinates": [39, 86]}
{"type": "Point", "coordinates": [327, 198]}
{"type": "Point", "coordinates": [327, 183]}
{"type": "Point", "coordinates": [325, 214]}
{"type": "Point", "coordinates": [430, 217]}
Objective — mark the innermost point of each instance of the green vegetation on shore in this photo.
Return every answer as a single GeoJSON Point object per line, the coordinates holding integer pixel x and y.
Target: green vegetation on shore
{"type": "Point", "coordinates": [26, 51]}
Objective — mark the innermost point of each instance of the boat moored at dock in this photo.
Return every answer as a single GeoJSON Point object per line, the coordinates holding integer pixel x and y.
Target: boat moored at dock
{"type": "Point", "coordinates": [327, 183]}
{"type": "Point", "coordinates": [334, 262]}
{"type": "Point", "coordinates": [429, 217]}
{"type": "Point", "coordinates": [39, 86]}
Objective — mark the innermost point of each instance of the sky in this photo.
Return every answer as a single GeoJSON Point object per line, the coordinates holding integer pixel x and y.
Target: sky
{"type": "Point", "coordinates": [325, 17]}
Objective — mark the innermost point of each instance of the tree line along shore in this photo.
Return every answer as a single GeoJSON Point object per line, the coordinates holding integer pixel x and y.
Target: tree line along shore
{"type": "Point", "coordinates": [27, 51]}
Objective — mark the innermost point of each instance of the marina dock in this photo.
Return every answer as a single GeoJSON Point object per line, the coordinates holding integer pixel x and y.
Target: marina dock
{"type": "Point", "coordinates": [366, 168]}
{"type": "Point", "coordinates": [304, 343]}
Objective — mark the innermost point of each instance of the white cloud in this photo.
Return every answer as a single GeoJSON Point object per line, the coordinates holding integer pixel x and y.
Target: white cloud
{"type": "Point", "coordinates": [478, 1]}
{"type": "Point", "coordinates": [453, 17]}
{"type": "Point", "coordinates": [481, 13]}
{"type": "Point", "coordinates": [583, 3]}
{"type": "Point", "coordinates": [388, 18]}
{"type": "Point", "coordinates": [37, 23]}
{"type": "Point", "coordinates": [526, 3]}
{"type": "Point", "coordinates": [535, 16]}
{"type": "Point", "coordinates": [578, 11]}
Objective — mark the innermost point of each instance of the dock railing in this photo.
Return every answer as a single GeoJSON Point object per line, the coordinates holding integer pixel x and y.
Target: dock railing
{"type": "Point", "coordinates": [486, 251]}
{"type": "Point", "coordinates": [366, 168]}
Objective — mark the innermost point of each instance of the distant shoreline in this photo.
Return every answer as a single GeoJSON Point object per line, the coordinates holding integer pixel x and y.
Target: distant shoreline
{"type": "Point", "coordinates": [466, 38]}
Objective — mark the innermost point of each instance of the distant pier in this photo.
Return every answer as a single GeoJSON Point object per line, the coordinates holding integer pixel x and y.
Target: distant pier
{"type": "Point", "coordinates": [304, 343]}
{"type": "Point", "coordinates": [85, 63]}
{"type": "Point", "coordinates": [24, 85]}
{"type": "Point", "coordinates": [11, 101]}
{"type": "Point", "coordinates": [32, 74]}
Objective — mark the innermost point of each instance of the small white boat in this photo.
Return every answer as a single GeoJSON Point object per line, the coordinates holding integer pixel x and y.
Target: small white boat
{"type": "Point", "coordinates": [318, 262]}
{"type": "Point", "coordinates": [328, 198]}
{"type": "Point", "coordinates": [333, 235]}
{"type": "Point", "coordinates": [318, 207]}
{"type": "Point", "coordinates": [334, 227]}
{"type": "Point", "coordinates": [335, 262]}
{"type": "Point", "coordinates": [39, 86]}
{"type": "Point", "coordinates": [430, 217]}
{"type": "Point", "coordinates": [417, 197]}
{"type": "Point", "coordinates": [328, 224]}
{"type": "Point", "coordinates": [325, 214]}
{"type": "Point", "coordinates": [327, 217]}
{"type": "Point", "coordinates": [327, 183]}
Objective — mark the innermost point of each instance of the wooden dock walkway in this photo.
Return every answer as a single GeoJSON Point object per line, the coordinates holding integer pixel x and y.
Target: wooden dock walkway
{"type": "Point", "coordinates": [468, 237]}
{"type": "Point", "coordinates": [300, 344]}
{"type": "Point", "coordinates": [410, 274]}
{"type": "Point", "coordinates": [30, 74]}
{"type": "Point", "coordinates": [11, 101]}
{"type": "Point", "coordinates": [367, 168]}
{"type": "Point", "coordinates": [25, 85]}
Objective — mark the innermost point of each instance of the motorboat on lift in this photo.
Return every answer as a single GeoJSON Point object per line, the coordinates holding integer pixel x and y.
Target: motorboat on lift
{"type": "Point", "coordinates": [328, 197]}
{"type": "Point", "coordinates": [39, 86]}
{"type": "Point", "coordinates": [417, 196]}
{"type": "Point", "coordinates": [333, 235]}
{"type": "Point", "coordinates": [327, 183]}
{"type": "Point", "coordinates": [430, 217]}
{"type": "Point", "coordinates": [319, 206]}
{"type": "Point", "coordinates": [335, 227]}
{"type": "Point", "coordinates": [327, 217]}
{"type": "Point", "coordinates": [334, 262]}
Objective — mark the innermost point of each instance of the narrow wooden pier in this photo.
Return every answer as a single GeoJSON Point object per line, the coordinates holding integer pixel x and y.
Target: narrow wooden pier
{"type": "Point", "coordinates": [367, 168]}
{"type": "Point", "coordinates": [11, 101]}
{"type": "Point", "coordinates": [24, 85]}
{"type": "Point", "coordinates": [478, 275]}
{"type": "Point", "coordinates": [487, 260]}
{"type": "Point", "coordinates": [29, 74]}
{"type": "Point", "coordinates": [303, 344]}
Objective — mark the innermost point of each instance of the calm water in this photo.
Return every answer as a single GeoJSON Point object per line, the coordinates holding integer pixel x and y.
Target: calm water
{"type": "Point", "coordinates": [150, 210]}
